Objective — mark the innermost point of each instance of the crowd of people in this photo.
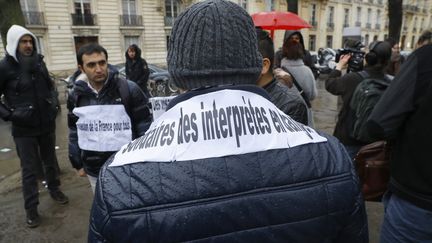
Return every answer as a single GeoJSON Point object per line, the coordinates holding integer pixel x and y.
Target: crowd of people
{"type": "Point", "coordinates": [235, 157]}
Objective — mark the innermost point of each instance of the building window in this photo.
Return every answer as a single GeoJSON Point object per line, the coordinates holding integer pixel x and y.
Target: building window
{"type": "Point", "coordinates": [369, 18]}
{"type": "Point", "coordinates": [358, 17]}
{"type": "Point", "coordinates": [129, 7]}
{"type": "Point", "coordinates": [29, 5]}
{"type": "Point", "coordinates": [313, 15]}
{"type": "Point", "coordinates": [366, 40]}
{"type": "Point", "coordinates": [312, 42]}
{"type": "Point", "coordinates": [375, 38]}
{"type": "Point", "coordinates": [413, 42]}
{"type": "Point", "coordinates": [330, 15]}
{"type": "Point", "coordinates": [130, 17]}
{"type": "Point", "coordinates": [172, 8]}
{"type": "Point", "coordinates": [270, 5]}
{"type": "Point", "coordinates": [329, 41]}
{"type": "Point", "coordinates": [31, 13]}
{"type": "Point", "coordinates": [83, 15]}
{"type": "Point", "coordinates": [130, 40]}
{"type": "Point", "coordinates": [378, 17]}
{"type": "Point", "coordinates": [346, 18]}
{"type": "Point", "coordinates": [243, 4]}
{"type": "Point", "coordinates": [82, 7]}
{"type": "Point", "coordinates": [40, 44]}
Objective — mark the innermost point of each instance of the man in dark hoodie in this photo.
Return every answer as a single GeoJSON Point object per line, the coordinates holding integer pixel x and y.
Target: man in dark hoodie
{"type": "Point", "coordinates": [296, 36]}
{"type": "Point", "coordinates": [31, 106]}
{"type": "Point", "coordinates": [136, 68]}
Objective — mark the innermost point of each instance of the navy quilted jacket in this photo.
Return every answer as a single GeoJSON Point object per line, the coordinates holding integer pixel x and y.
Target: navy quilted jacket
{"type": "Point", "coordinates": [307, 193]}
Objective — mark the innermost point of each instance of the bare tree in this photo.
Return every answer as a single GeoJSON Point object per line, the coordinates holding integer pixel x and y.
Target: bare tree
{"type": "Point", "coordinates": [395, 19]}
{"type": "Point", "coordinates": [10, 13]}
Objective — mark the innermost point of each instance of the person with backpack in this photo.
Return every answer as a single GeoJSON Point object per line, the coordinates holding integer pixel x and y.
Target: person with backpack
{"type": "Point", "coordinates": [376, 62]}
{"type": "Point", "coordinates": [105, 112]}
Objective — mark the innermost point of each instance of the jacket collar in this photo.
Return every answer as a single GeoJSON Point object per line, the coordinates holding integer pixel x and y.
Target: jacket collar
{"type": "Point", "coordinates": [205, 90]}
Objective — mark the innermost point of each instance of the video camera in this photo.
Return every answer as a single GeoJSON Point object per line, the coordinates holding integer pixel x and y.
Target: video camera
{"type": "Point", "coordinates": [355, 63]}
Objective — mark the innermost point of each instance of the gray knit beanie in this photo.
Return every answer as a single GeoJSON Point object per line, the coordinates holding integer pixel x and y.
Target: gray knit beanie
{"type": "Point", "coordinates": [213, 42]}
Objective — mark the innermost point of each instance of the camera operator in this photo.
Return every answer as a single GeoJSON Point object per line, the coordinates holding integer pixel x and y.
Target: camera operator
{"type": "Point", "coordinates": [376, 61]}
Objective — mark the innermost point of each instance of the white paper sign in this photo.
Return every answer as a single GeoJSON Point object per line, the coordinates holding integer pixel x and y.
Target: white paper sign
{"type": "Point", "coordinates": [103, 127]}
{"type": "Point", "coordinates": [216, 124]}
{"type": "Point", "coordinates": [159, 105]}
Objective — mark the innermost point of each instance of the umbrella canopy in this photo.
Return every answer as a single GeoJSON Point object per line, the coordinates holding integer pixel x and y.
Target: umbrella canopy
{"type": "Point", "coordinates": [279, 21]}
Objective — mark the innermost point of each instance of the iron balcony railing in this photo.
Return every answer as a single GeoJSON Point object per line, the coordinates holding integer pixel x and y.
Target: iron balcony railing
{"type": "Point", "coordinates": [377, 26]}
{"type": "Point", "coordinates": [84, 19]}
{"type": "Point", "coordinates": [358, 24]}
{"type": "Point", "coordinates": [34, 18]}
{"type": "Point", "coordinates": [131, 20]}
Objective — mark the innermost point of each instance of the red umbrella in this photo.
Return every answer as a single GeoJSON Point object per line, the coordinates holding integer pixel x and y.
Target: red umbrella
{"type": "Point", "coordinates": [279, 21]}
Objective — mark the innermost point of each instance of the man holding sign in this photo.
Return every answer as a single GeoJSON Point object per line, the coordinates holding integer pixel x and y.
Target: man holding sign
{"type": "Point", "coordinates": [223, 163]}
{"type": "Point", "coordinates": [105, 112]}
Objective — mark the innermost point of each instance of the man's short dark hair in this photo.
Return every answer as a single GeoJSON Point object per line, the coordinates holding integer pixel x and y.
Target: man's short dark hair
{"type": "Point", "coordinates": [89, 49]}
{"type": "Point", "coordinates": [265, 45]}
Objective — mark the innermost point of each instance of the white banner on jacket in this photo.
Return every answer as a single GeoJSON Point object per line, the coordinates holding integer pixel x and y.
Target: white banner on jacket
{"type": "Point", "coordinates": [216, 124]}
{"type": "Point", "coordinates": [103, 127]}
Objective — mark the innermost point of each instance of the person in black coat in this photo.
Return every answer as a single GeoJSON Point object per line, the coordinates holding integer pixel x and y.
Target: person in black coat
{"type": "Point", "coordinates": [136, 68]}
{"type": "Point", "coordinates": [30, 103]}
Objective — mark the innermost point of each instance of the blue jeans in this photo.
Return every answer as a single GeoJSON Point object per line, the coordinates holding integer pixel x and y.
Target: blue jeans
{"type": "Point", "coordinates": [405, 222]}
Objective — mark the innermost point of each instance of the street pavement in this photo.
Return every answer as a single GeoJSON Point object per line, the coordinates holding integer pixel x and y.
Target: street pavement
{"type": "Point", "coordinates": [69, 223]}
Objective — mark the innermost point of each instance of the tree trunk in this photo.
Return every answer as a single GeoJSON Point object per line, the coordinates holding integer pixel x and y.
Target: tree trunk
{"type": "Point", "coordinates": [10, 13]}
{"type": "Point", "coordinates": [293, 6]}
{"type": "Point", "coordinates": [395, 19]}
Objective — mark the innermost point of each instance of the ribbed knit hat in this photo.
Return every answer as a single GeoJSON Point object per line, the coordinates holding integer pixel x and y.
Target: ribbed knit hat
{"type": "Point", "coordinates": [213, 42]}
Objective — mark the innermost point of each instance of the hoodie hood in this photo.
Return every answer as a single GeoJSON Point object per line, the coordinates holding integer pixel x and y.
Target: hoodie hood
{"type": "Point", "coordinates": [289, 33]}
{"type": "Point", "coordinates": [137, 52]}
{"type": "Point", "coordinates": [13, 36]}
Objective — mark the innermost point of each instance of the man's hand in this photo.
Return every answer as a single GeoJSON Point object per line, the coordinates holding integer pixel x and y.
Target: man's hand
{"type": "Point", "coordinates": [283, 76]}
{"type": "Point", "coordinates": [343, 62]}
{"type": "Point", "coordinates": [81, 172]}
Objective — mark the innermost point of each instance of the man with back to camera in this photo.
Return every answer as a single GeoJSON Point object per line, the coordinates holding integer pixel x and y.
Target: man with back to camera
{"type": "Point", "coordinates": [376, 62]}
{"type": "Point", "coordinates": [403, 117]}
{"type": "Point", "coordinates": [105, 112]}
{"type": "Point", "coordinates": [223, 163]}
{"type": "Point", "coordinates": [31, 105]}
{"type": "Point", "coordinates": [286, 99]}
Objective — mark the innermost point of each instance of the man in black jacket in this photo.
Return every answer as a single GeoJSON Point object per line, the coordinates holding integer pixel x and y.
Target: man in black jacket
{"type": "Point", "coordinates": [376, 61]}
{"type": "Point", "coordinates": [223, 164]}
{"type": "Point", "coordinates": [136, 68]}
{"type": "Point", "coordinates": [403, 116]}
{"type": "Point", "coordinates": [105, 112]}
{"type": "Point", "coordinates": [31, 105]}
{"type": "Point", "coordinates": [286, 99]}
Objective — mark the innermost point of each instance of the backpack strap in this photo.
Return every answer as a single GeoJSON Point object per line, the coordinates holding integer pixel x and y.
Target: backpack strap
{"type": "Point", "coordinates": [299, 88]}
{"type": "Point", "coordinates": [123, 88]}
{"type": "Point", "coordinates": [363, 74]}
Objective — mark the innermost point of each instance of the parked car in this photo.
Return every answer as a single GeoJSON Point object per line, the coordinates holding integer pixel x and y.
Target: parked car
{"type": "Point", "coordinates": [159, 83]}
